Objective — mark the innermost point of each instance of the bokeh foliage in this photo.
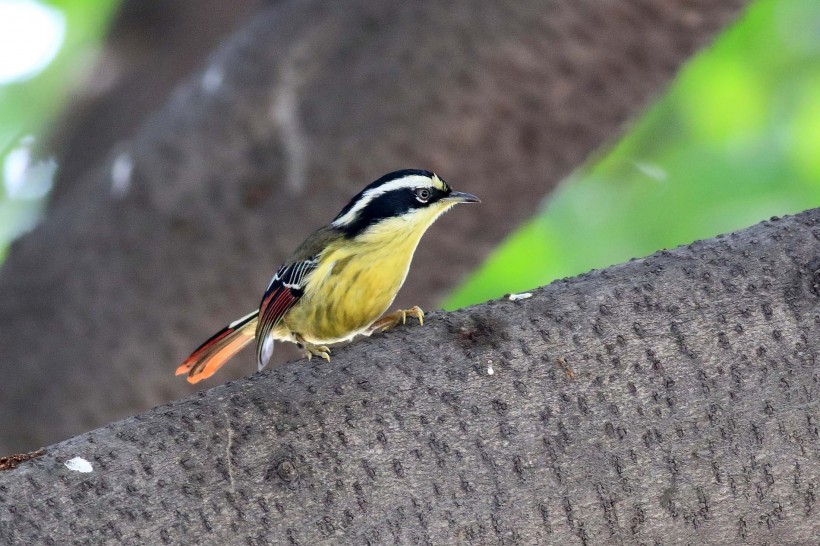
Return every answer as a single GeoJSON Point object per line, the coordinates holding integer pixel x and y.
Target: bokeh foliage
{"type": "Point", "coordinates": [735, 140]}
{"type": "Point", "coordinates": [27, 106]}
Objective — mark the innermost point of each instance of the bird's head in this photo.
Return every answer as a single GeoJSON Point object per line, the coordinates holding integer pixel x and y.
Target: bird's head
{"type": "Point", "coordinates": [406, 200]}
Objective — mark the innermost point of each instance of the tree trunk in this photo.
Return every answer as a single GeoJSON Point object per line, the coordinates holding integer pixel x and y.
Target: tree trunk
{"type": "Point", "coordinates": [178, 233]}
{"type": "Point", "coordinates": [151, 47]}
{"type": "Point", "coordinates": [672, 399]}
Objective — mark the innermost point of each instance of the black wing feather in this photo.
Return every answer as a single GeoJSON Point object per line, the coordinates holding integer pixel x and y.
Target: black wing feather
{"type": "Point", "coordinates": [284, 290]}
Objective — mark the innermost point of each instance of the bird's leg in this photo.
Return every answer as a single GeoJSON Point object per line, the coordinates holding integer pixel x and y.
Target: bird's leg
{"type": "Point", "coordinates": [394, 319]}
{"type": "Point", "coordinates": [312, 350]}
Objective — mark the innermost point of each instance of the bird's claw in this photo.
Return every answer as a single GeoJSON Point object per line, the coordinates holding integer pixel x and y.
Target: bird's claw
{"type": "Point", "coordinates": [394, 319]}
{"type": "Point", "coordinates": [414, 311]}
{"type": "Point", "coordinates": [311, 350]}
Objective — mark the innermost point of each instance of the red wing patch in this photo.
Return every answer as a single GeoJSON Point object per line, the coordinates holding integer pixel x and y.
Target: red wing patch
{"type": "Point", "coordinates": [284, 291]}
{"type": "Point", "coordinates": [275, 306]}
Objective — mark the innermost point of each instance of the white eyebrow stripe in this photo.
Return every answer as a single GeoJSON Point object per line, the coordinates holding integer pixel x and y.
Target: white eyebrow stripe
{"type": "Point", "coordinates": [412, 181]}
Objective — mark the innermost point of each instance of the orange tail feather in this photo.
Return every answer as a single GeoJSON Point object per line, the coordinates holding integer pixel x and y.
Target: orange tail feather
{"type": "Point", "coordinates": [214, 353]}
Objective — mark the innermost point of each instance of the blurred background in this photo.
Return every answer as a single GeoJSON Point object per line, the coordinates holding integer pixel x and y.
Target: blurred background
{"type": "Point", "coordinates": [733, 139]}
{"type": "Point", "coordinates": [47, 53]}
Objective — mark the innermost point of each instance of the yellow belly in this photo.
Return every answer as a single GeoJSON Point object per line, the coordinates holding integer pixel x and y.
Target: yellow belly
{"type": "Point", "coordinates": [357, 280]}
{"type": "Point", "coordinates": [352, 288]}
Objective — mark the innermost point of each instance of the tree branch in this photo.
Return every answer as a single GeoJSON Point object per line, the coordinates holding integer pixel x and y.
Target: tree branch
{"type": "Point", "coordinates": [672, 399]}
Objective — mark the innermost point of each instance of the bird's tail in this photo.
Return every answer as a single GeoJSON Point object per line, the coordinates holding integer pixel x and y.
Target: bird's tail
{"type": "Point", "coordinates": [214, 353]}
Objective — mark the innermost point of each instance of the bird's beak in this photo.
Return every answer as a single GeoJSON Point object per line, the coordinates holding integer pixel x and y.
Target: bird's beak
{"type": "Point", "coordinates": [461, 197]}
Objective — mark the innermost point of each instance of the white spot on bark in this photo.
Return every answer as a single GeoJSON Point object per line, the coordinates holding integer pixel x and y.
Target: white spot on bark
{"type": "Point", "coordinates": [522, 296]}
{"type": "Point", "coordinates": [490, 370]}
{"type": "Point", "coordinates": [285, 112]}
{"type": "Point", "coordinates": [78, 464]}
{"type": "Point", "coordinates": [212, 78]}
{"type": "Point", "coordinates": [121, 171]}
{"type": "Point", "coordinates": [286, 115]}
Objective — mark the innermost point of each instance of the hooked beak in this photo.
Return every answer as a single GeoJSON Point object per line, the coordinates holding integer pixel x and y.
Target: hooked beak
{"type": "Point", "coordinates": [461, 197]}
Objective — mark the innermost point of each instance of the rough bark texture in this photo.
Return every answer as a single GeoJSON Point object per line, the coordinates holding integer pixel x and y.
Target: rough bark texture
{"type": "Point", "coordinates": [180, 230]}
{"type": "Point", "coordinates": [669, 400]}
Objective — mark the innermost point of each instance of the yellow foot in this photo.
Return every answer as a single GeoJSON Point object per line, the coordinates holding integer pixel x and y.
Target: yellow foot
{"type": "Point", "coordinates": [394, 319]}
{"type": "Point", "coordinates": [312, 350]}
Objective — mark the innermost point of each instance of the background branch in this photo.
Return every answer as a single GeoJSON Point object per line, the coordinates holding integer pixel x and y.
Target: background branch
{"type": "Point", "coordinates": [672, 399]}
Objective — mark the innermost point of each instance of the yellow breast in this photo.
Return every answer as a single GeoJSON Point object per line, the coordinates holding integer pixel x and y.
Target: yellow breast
{"type": "Point", "coordinates": [354, 284]}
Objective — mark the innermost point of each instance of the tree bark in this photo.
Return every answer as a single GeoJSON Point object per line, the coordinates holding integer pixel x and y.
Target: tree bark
{"type": "Point", "coordinates": [672, 399]}
{"type": "Point", "coordinates": [179, 231]}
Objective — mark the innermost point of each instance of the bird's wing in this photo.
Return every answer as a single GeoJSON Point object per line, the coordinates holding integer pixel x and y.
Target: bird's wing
{"type": "Point", "coordinates": [284, 290]}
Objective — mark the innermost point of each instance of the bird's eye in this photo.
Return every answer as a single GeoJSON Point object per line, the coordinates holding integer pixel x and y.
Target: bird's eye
{"type": "Point", "coordinates": [423, 194]}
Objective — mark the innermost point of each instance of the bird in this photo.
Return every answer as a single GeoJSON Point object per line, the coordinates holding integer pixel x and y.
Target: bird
{"type": "Point", "coordinates": [342, 278]}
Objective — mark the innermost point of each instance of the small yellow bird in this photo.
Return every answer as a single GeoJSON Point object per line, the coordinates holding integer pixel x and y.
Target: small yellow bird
{"type": "Point", "coordinates": [342, 278]}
